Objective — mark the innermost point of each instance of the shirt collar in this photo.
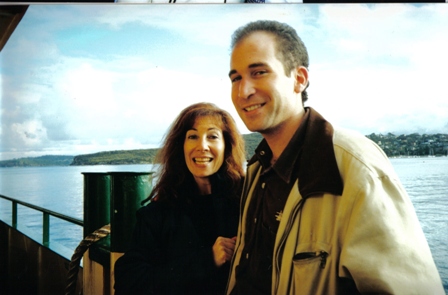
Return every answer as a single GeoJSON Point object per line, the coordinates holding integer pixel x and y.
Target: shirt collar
{"type": "Point", "coordinates": [309, 156]}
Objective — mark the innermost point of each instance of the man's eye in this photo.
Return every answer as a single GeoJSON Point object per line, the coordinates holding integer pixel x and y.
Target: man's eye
{"type": "Point", "coordinates": [234, 79]}
{"type": "Point", "coordinates": [258, 73]}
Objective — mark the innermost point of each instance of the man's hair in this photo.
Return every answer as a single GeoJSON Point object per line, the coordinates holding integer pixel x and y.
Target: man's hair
{"type": "Point", "coordinates": [290, 49]}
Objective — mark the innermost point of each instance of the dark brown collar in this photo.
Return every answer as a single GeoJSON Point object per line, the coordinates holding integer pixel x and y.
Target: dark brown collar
{"type": "Point", "coordinates": [309, 156]}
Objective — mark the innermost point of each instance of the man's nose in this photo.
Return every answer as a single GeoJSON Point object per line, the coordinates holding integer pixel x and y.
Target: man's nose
{"type": "Point", "coordinates": [246, 88]}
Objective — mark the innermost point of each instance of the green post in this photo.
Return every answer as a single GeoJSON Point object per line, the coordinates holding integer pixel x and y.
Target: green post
{"type": "Point", "coordinates": [14, 214]}
{"type": "Point", "coordinates": [129, 189]}
{"type": "Point", "coordinates": [97, 191]}
{"type": "Point", "coordinates": [46, 229]}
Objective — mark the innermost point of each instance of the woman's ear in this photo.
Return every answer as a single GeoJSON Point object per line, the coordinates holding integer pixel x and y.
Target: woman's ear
{"type": "Point", "coordinates": [301, 77]}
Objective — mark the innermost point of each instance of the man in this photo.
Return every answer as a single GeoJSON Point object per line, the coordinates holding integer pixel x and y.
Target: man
{"type": "Point", "coordinates": [323, 211]}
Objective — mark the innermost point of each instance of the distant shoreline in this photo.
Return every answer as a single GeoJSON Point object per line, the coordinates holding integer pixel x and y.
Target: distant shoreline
{"type": "Point", "coordinates": [402, 146]}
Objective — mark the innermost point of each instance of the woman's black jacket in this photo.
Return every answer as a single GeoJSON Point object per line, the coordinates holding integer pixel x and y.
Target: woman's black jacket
{"type": "Point", "coordinates": [171, 250]}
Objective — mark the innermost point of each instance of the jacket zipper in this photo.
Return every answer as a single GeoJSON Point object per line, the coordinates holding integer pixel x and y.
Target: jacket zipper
{"type": "Point", "coordinates": [323, 259]}
{"type": "Point", "coordinates": [279, 252]}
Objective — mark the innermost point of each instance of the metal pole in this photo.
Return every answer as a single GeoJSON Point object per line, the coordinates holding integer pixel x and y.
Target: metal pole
{"type": "Point", "coordinates": [128, 190]}
{"type": "Point", "coordinates": [97, 191]}
{"type": "Point", "coordinates": [14, 214]}
{"type": "Point", "coordinates": [46, 229]}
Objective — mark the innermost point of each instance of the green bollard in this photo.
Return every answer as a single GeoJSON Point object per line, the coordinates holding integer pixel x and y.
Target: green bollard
{"type": "Point", "coordinates": [97, 192]}
{"type": "Point", "coordinates": [128, 190]}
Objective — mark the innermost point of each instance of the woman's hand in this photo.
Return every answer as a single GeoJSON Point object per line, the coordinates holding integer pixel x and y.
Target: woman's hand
{"type": "Point", "coordinates": [223, 250]}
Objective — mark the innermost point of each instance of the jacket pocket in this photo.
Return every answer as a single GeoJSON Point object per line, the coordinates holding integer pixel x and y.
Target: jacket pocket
{"type": "Point", "coordinates": [311, 268]}
{"type": "Point", "coordinates": [311, 257]}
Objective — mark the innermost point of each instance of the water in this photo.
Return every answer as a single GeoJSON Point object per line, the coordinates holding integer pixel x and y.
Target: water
{"type": "Point", "coordinates": [60, 189]}
{"type": "Point", "coordinates": [426, 181]}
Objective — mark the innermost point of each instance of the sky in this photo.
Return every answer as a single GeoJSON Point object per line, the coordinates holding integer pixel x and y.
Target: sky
{"type": "Point", "coordinates": [80, 79]}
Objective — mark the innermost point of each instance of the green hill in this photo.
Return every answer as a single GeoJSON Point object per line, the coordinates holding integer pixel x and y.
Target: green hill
{"type": "Point", "coordinates": [38, 161]}
{"type": "Point", "coordinates": [145, 156]}
{"type": "Point", "coordinates": [142, 156]}
{"type": "Point", "coordinates": [251, 140]}
{"type": "Point", "coordinates": [402, 145]}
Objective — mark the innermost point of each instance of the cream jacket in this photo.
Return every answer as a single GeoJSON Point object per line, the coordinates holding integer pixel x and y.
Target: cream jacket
{"type": "Point", "coordinates": [369, 233]}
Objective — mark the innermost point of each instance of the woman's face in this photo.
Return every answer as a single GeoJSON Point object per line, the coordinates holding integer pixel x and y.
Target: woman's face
{"type": "Point", "coordinates": [204, 148]}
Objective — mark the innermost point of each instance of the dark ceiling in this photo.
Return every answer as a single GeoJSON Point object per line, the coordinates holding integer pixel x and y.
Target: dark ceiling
{"type": "Point", "coordinates": [10, 16]}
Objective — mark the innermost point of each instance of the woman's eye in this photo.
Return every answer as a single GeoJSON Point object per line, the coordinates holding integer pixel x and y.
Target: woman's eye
{"type": "Point", "coordinates": [192, 136]}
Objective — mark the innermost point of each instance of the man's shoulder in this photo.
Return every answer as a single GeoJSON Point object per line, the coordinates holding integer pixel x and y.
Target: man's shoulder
{"type": "Point", "coordinates": [355, 143]}
{"type": "Point", "coordinates": [352, 149]}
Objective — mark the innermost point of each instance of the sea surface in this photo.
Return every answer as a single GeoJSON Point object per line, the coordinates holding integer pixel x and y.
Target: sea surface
{"type": "Point", "coordinates": [60, 189]}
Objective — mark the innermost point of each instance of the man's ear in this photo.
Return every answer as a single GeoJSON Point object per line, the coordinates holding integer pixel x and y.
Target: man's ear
{"type": "Point", "coordinates": [301, 76]}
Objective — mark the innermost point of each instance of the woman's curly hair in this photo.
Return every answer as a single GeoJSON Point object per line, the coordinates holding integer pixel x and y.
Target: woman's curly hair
{"type": "Point", "coordinates": [174, 179]}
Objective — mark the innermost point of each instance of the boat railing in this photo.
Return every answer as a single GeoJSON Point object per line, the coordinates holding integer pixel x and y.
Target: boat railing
{"type": "Point", "coordinates": [110, 202]}
{"type": "Point", "coordinates": [45, 217]}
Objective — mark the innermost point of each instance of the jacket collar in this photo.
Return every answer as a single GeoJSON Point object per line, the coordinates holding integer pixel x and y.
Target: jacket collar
{"type": "Point", "coordinates": [309, 156]}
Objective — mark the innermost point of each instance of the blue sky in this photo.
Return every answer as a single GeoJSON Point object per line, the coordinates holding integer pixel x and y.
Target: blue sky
{"type": "Point", "coordinates": [84, 78]}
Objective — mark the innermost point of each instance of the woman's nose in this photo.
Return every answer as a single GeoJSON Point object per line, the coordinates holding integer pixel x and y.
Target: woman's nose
{"type": "Point", "coordinates": [203, 144]}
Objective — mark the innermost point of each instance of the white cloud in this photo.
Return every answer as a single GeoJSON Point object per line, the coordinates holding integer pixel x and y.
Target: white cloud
{"type": "Point", "coordinates": [374, 68]}
{"type": "Point", "coordinates": [206, 24]}
{"type": "Point", "coordinates": [386, 72]}
{"type": "Point", "coordinates": [384, 30]}
{"type": "Point", "coordinates": [30, 133]}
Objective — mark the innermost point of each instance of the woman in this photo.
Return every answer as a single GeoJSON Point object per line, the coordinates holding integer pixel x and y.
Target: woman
{"type": "Point", "coordinates": [184, 238]}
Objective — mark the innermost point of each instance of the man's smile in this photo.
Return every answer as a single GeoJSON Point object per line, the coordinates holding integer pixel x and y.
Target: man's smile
{"type": "Point", "coordinates": [253, 107]}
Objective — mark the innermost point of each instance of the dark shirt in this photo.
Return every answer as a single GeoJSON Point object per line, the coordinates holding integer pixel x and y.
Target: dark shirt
{"type": "Point", "coordinates": [254, 273]}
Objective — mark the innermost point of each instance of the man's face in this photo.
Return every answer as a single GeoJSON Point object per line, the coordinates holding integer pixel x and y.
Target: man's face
{"type": "Point", "coordinates": [263, 95]}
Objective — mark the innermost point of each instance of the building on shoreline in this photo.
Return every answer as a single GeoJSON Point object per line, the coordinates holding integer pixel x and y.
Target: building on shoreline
{"type": "Point", "coordinates": [414, 144]}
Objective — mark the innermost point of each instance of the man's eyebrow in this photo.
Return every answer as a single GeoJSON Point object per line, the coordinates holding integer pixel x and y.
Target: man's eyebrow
{"type": "Point", "coordinates": [232, 72]}
{"type": "Point", "coordinates": [258, 64]}
{"type": "Point", "coordinates": [254, 65]}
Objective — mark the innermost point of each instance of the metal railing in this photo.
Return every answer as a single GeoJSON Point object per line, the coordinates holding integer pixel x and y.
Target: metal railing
{"type": "Point", "coordinates": [46, 217]}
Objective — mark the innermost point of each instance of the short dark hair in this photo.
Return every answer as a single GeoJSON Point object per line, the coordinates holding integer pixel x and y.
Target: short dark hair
{"type": "Point", "coordinates": [291, 50]}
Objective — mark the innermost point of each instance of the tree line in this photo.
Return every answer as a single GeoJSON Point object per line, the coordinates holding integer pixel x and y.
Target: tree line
{"type": "Point", "coordinates": [402, 145]}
